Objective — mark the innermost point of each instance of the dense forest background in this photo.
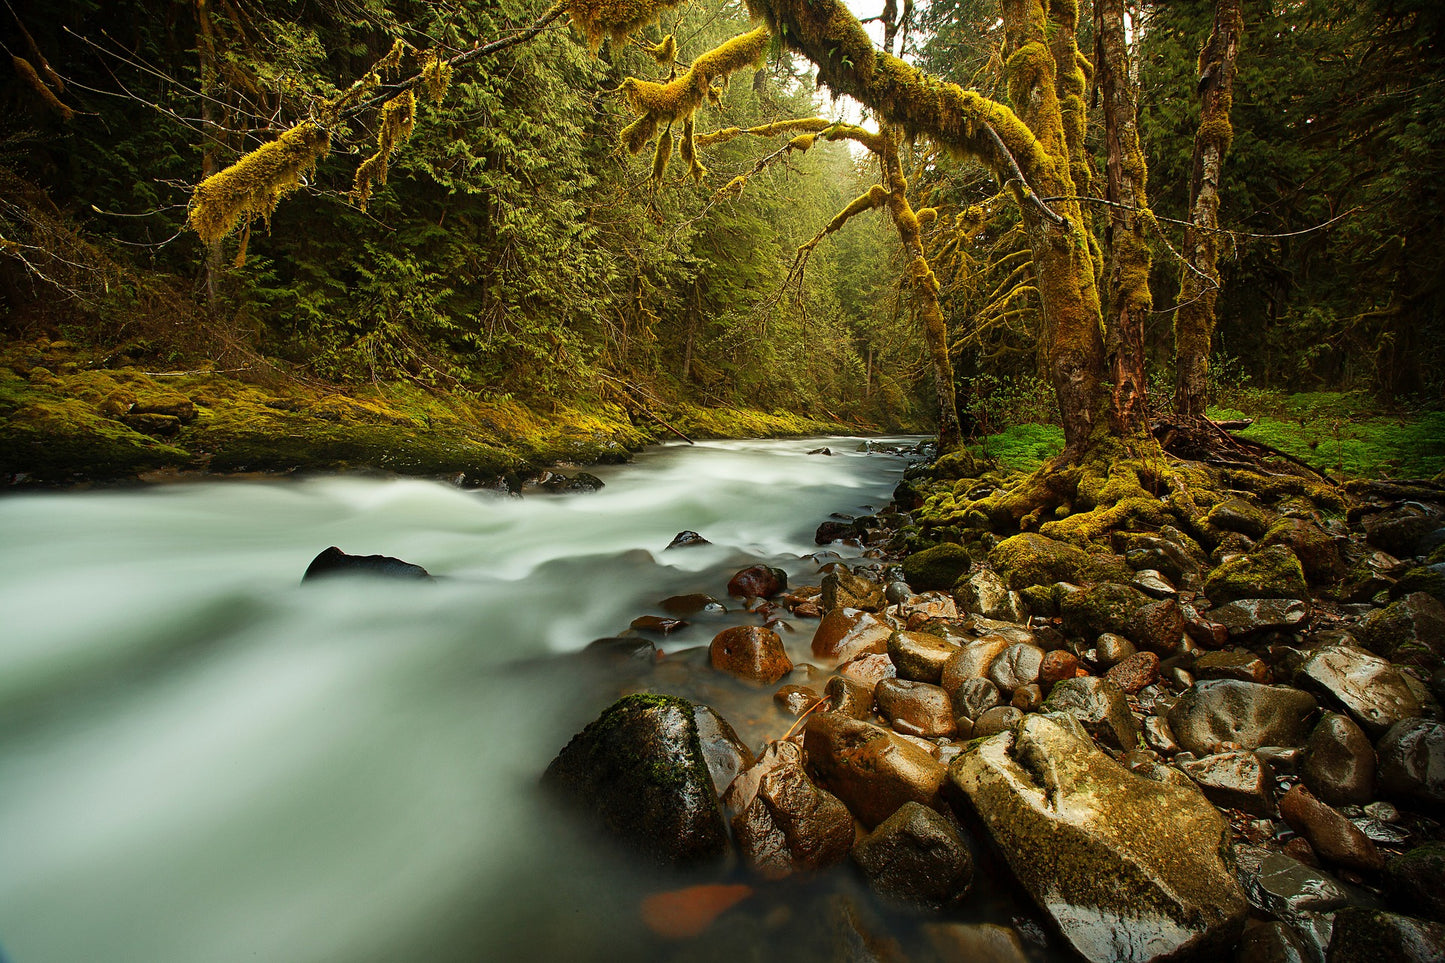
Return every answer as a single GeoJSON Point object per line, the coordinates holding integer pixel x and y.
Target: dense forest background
{"type": "Point", "coordinates": [518, 252]}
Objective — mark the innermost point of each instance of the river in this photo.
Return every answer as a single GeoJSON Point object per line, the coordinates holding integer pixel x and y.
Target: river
{"type": "Point", "coordinates": [203, 760]}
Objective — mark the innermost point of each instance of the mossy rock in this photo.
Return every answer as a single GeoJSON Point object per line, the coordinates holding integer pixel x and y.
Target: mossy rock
{"type": "Point", "coordinates": [1429, 579]}
{"type": "Point", "coordinates": [1239, 515]}
{"type": "Point", "coordinates": [936, 568]}
{"type": "Point", "coordinates": [1105, 607]}
{"type": "Point", "coordinates": [959, 464]}
{"type": "Point", "coordinates": [1317, 550]}
{"type": "Point", "coordinates": [1034, 559]}
{"type": "Point", "coordinates": [1271, 573]}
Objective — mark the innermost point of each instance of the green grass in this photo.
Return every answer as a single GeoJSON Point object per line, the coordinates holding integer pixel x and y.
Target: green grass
{"type": "Point", "coordinates": [1022, 447]}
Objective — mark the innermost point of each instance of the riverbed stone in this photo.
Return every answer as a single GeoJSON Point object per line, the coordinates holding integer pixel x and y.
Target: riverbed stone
{"type": "Point", "coordinates": [1016, 666]}
{"type": "Point", "coordinates": [1317, 550]}
{"type": "Point", "coordinates": [1234, 780]}
{"type": "Point", "coordinates": [1127, 868]}
{"type": "Point", "coordinates": [795, 699]}
{"type": "Point", "coordinates": [845, 634]}
{"type": "Point", "coordinates": [973, 697]}
{"type": "Point", "coordinates": [1416, 619]}
{"type": "Point", "coordinates": [1286, 889]}
{"type": "Point", "coordinates": [1179, 558]}
{"type": "Point", "coordinates": [333, 561]}
{"type": "Point", "coordinates": [1416, 879]}
{"type": "Point", "coordinates": [938, 567]}
{"type": "Point", "coordinates": [844, 589]}
{"type": "Point", "coordinates": [751, 653]}
{"type": "Point", "coordinates": [1112, 649]}
{"type": "Point", "coordinates": [998, 719]}
{"type": "Point", "coordinates": [640, 772]}
{"type": "Point", "coordinates": [1367, 687]}
{"type": "Point", "coordinates": [1240, 664]}
{"type": "Point", "coordinates": [983, 592]}
{"type": "Point", "coordinates": [915, 708]}
{"type": "Point", "coordinates": [784, 823]}
{"type": "Point", "coordinates": [1269, 573]}
{"type": "Point", "coordinates": [920, 655]}
{"type": "Point", "coordinates": [873, 770]}
{"type": "Point", "coordinates": [687, 540]}
{"type": "Point", "coordinates": [1239, 515]}
{"type": "Point", "coordinates": [1243, 713]}
{"type": "Point", "coordinates": [1058, 665]}
{"type": "Point", "coordinates": [975, 942]}
{"type": "Point", "coordinates": [1366, 935]}
{"type": "Point", "coordinates": [1332, 835]}
{"type": "Point", "coordinates": [1411, 758]}
{"type": "Point", "coordinates": [868, 669]}
{"type": "Point", "coordinates": [1104, 607]}
{"type": "Point", "coordinates": [685, 605]}
{"type": "Point", "coordinates": [757, 581]}
{"type": "Point", "coordinates": [723, 750]}
{"type": "Point", "coordinates": [1251, 616]}
{"type": "Point", "coordinates": [1271, 942]}
{"type": "Point", "coordinates": [1159, 626]}
{"type": "Point", "coordinates": [1339, 762]}
{"type": "Point", "coordinates": [1100, 706]}
{"type": "Point", "coordinates": [916, 856]}
{"type": "Point", "coordinates": [971, 662]}
{"type": "Point", "coordinates": [849, 698]}
{"type": "Point", "coordinates": [1134, 673]}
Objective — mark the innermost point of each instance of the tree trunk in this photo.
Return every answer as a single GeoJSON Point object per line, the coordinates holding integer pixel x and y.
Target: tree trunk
{"type": "Point", "coordinates": [1199, 286]}
{"type": "Point", "coordinates": [1127, 297]}
{"type": "Point", "coordinates": [211, 126]}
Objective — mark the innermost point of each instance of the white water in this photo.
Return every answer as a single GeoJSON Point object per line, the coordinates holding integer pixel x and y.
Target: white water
{"type": "Point", "coordinates": [201, 760]}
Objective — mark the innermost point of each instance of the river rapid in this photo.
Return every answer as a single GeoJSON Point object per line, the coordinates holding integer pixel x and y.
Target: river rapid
{"type": "Point", "coordinates": [203, 760]}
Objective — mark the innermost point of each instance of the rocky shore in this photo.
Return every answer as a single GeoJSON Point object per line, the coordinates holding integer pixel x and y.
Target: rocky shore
{"type": "Point", "coordinates": [1217, 739]}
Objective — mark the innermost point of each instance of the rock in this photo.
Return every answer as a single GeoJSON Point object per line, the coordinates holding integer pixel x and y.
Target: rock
{"type": "Point", "coordinates": [1333, 836]}
{"type": "Point", "coordinates": [983, 592]}
{"type": "Point", "coordinates": [1417, 619]}
{"type": "Point", "coordinates": [1411, 760]}
{"type": "Point", "coordinates": [1105, 607]}
{"type": "Point", "coordinates": [916, 856]}
{"type": "Point", "coordinates": [821, 451]}
{"type": "Point", "coordinates": [843, 589]}
{"type": "Point", "coordinates": [639, 770]}
{"type": "Point", "coordinates": [1233, 780]}
{"type": "Point", "coordinates": [334, 561]}
{"type": "Point", "coordinates": [1057, 666]}
{"type": "Point", "coordinates": [1364, 935]}
{"type": "Point", "coordinates": [1158, 736]}
{"type": "Point", "coordinates": [1028, 698]}
{"type": "Point", "coordinates": [691, 605]}
{"type": "Point", "coordinates": [1239, 515]}
{"type": "Point", "coordinates": [1399, 531]}
{"type": "Point", "coordinates": [1245, 617]}
{"type": "Point", "coordinates": [872, 770]}
{"type": "Point", "coordinates": [1416, 880]}
{"type": "Point", "coordinates": [796, 699]}
{"type": "Point", "coordinates": [1271, 943]}
{"type": "Point", "coordinates": [1136, 672]}
{"type": "Point", "coordinates": [1153, 583]}
{"type": "Point", "coordinates": [1159, 626]}
{"type": "Point", "coordinates": [1113, 648]}
{"type": "Point", "coordinates": [751, 653]}
{"type": "Point", "coordinates": [1099, 706]}
{"type": "Point", "coordinates": [757, 581]}
{"type": "Point", "coordinates": [580, 482]}
{"type": "Point", "coordinates": [971, 661]}
{"type": "Point", "coordinates": [830, 532]}
{"type": "Point", "coordinates": [722, 751]}
{"type": "Point", "coordinates": [658, 624]}
{"type": "Point", "coordinates": [971, 698]}
{"type": "Point", "coordinates": [915, 708]}
{"type": "Point", "coordinates": [1292, 892]}
{"type": "Point", "coordinates": [1239, 664]}
{"type": "Point", "coordinates": [687, 540]}
{"type": "Point", "coordinates": [1317, 550]}
{"type": "Point", "coordinates": [849, 698]}
{"type": "Point", "coordinates": [1370, 689]}
{"type": "Point", "coordinates": [868, 670]}
{"type": "Point", "coordinates": [1339, 762]}
{"type": "Point", "coordinates": [937, 567]}
{"type": "Point", "coordinates": [1033, 559]}
{"type": "Point", "coordinates": [1127, 868]}
{"type": "Point", "coordinates": [843, 635]}
{"type": "Point", "coordinates": [1271, 573]}
{"type": "Point", "coordinates": [1429, 579]}
{"type": "Point", "coordinates": [784, 824]}
{"type": "Point", "coordinates": [920, 655]}
{"type": "Point", "coordinates": [1177, 558]}
{"type": "Point", "coordinates": [975, 942]}
{"type": "Point", "coordinates": [928, 606]}
{"type": "Point", "coordinates": [1242, 713]}
{"type": "Point", "coordinates": [1016, 666]}
{"type": "Point", "coordinates": [998, 719]}
{"type": "Point", "coordinates": [617, 648]}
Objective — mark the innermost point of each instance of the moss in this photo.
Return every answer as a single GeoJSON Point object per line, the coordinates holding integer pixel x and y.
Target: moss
{"type": "Point", "coordinates": [255, 184]}
{"type": "Point", "coordinates": [1105, 607]}
{"type": "Point", "coordinates": [1271, 573]}
{"type": "Point", "coordinates": [1034, 559]}
{"type": "Point", "coordinates": [614, 19]}
{"type": "Point", "coordinates": [394, 126]}
{"type": "Point", "coordinates": [936, 568]}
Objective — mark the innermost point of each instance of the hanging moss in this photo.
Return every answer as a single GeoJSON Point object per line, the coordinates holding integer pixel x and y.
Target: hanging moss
{"type": "Point", "coordinates": [662, 155]}
{"type": "Point", "coordinates": [436, 75]}
{"type": "Point", "coordinates": [252, 186]}
{"type": "Point", "coordinates": [27, 73]}
{"type": "Point", "coordinates": [614, 19]}
{"type": "Point", "coordinates": [665, 52]}
{"type": "Point", "coordinates": [394, 126]}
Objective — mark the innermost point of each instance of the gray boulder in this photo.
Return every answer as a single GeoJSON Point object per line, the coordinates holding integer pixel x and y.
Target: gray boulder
{"type": "Point", "coordinates": [1244, 713]}
{"type": "Point", "coordinates": [1412, 761]}
{"type": "Point", "coordinates": [1364, 685]}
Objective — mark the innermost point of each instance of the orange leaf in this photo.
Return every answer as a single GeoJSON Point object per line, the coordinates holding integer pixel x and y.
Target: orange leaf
{"type": "Point", "coordinates": [683, 913]}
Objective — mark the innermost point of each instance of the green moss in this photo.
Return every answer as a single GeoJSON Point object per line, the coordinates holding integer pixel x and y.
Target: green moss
{"type": "Point", "coordinates": [1034, 559]}
{"type": "Point", "coordinates": [936, 568]}
{"type": "Point", "coordinates": [1271, 573]}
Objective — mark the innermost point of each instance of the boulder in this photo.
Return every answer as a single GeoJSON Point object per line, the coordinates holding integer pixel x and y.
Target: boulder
{"type": "Point", "coordinates": [973, 697]}
{"type": "Point", "coordinates": [868, 670]}
{"type": "Point", "coordinates": [1416, 879]}
{"type": "Point", "coordinates": [1401, 530]}
{"type": "Point", "coordinates": [1412, 761]}
{"type": "Point", "coordinates": [796, 699]}
{"type": "Point", "coordinates": [1099, 706]}
{"type": "Point", "coordinates": [938, 567]}
{"type": "Point", "coordinates": [1178, 559]}
{"type": "Point", "coordinates": [1270, 573]}
{"type": "Point", "coordinates": [1364, 685]}
{"type": "Point", "coordinates": [971, 661]}
{"type": "Point", "coordinates": [1332, 835]}
{"type": "Point", "coordinates": [920, 655]}
{"type": "Point", "coordinates": [1317, 550]}
{"type": "Point", "coordinates": [871, 769]}
{"type": "Point", "coordinates": [783, 823]}
{"type": "Point", "coordinates": [1112, 648]}
{"type": "Point", "coordinates": [1239, 664]}
{"type": "Point", "coordinates": [1127, 868]}
{"type": "Point", "coordinates": [1416, 619]}
{"type": "Point", "coordinates": [845, 634]}
{"type": "Point", "coordinates": [751, 653]}
{"type": "Point", "coordinates": [915, 708]}
{"type": "Point", "coordinates": [1034, 559]}
{"type": "Point", "coordinates": [1243, 713]}
{"type": "Point", "coordinates": [1364, 935]}
{"type": "Point", "coordinates": [757, 581]}
{"type": "Point", "coordinates": [657, 623]}
{"type": "Point", "coordinates": [1233, 780]}
{"type": "Point", "coordinates": [687, 540]}
{"type": "Point", "coordinates": [1339, 762]}
{"type": "Point", "coordinates": [1016, 666]}
{"type": "Point", "coordinates": [1282, 887]}
{"type": "Point", "coordinates": [1271, 943]}
{"type": "Point", "coordinates": [334, 561]}
{"type": "Point", "coordinates": [916, 856]}
{"type": "Point", "coordinates": [1159, 626]}
{"type": "Point", "coordinates": [723, 751]}
{"type": "Point", "coordinates": [1239, 515]}
{"type": "Point", "coordinates": [1134, 673]}
{"type": "Point", "coordinates": [983, 592]}
{"type": "Point", "coordinates": [830, 532]}
{"type": "Point", "coordinates": [843, 589]}
{"type": "Point", "coordinates": [998, 719]}
{"type": "Point", "coordinates": [1057, 666]}
{"type": "Point", "coordinates": [640, 772]}
{"type": "Point", "coordinates": [849, 698]}
{"type": "Point", "coordinates": [1245, 617]}
{"type": "Point", "coordinates": [1105, 607]}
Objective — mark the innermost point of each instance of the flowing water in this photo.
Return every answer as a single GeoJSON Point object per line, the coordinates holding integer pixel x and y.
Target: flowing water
{"type": "Point", "coordinates": [203, 760]}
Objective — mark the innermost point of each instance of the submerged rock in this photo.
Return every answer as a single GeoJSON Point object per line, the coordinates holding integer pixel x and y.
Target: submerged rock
{"type": "Point", "coordinates": [1128, 868]}
{"type": "Point", "coordinates": [334, 561]}
{"type": "Point", "coordinates": [916, 856]}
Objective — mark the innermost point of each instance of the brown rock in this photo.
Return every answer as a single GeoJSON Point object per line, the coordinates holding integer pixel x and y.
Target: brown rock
{"type": "Point", "coordinates": [1028, 698]}
{"type": "Point", "coordinates": [869, 768]}
{"type": "Point", "coordinates": [868, 670]}
{"type": "Point", "coordinates": [1160, 625]}
{"type": "Point", "coordinates": [915, 708]}
{"type": "Point", "coordinates": [751, 653]}
{"type": "Point", "coordinates": [757, 581]}
{"type": "Point", "coordinates": [785, 824]}
{"type": "Point", "coordinates": [846, 634]}
{"type": "Point", "coordinates": [971, 662]}
{"type": "Point", "coordinates": [849, 698]}
{"type": "Point", "coordinates": [1333, 836]}
{"type": "Point", "coordinates": [1135, 672]}
{"type": "Point", "coordinates": [655, 623]}
{"type": "Point", "coordinates": [919, 655]}
{"type": "Point", "coordinates": [1017, 666]}
{"type": "Point", "coordinates": [796, 699]}
{"type": "Point", "coordinates": [1057, 666]}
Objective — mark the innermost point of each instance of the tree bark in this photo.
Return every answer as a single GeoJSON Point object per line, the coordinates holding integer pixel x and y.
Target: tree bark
{"type": "Point", "coordinates": [1199, 286]}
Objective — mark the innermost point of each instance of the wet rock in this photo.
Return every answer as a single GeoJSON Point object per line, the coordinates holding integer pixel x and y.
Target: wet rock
{"type": "Point", "coordinates": [1239, 515]}
{"type": "Point", "coordinates": [1136, 672]}
{"type": "Point", "coordinates": [1239, 664]}
{"type": "Point", "coordinates": [1288, 890]}
{"type": "Point", "coordinates": [937, 567]}
{"type": "Point", "coordinates": [1159, 626]}
{"type": "Point", "coordinates": [1153, 583]}
{"type": "Point", "coordinates": [976, 942]}
{"type": "Point", "coordinates": [1105, 607]}
{"type": "Point", "coordinates": [1364, 935]}
{"type": "Point", "coordinates": [784, 824]}
{"type": "Point", "coordinates": [751, 653]}
{"type": "Point", "coordinates": [1333, 836]}
{"type": "Point", "coordinates": [685, 605]}
{"type": "Point", "coordinates": [872, 770]}
{"type": "Point", "coordinates": [1400, 531]}
{"type": "Point", "coordinates": [687, 540]}
{"type": "Point", "coordinates": [1100, 707]}
{"type": "Point", "coordinates": [868, 670]}
{"type": "Point", "coordinates": [1416, 880]}
{"type": "Point", "coordinates": [973, 697]}
{"type": "Point", "coordinates": [1112, 649]}
{"type": "Point", "coordinates": [1233, 780]}
{"type": "Point", "coordinates": [1271, 943]}
{"type": "Point", "coordinates": [1411, 759]}
{"type": "Point", "coordinates": [1429, 579]}
{"type": "Point", "coordinates": [1158, 736]}
{"type": "Point", "coordinates": [1178, 559]}
{"type": "Point", "coordinates": [1242, 713]}
{"type": "Point", "coordinates": [1271, 573]}
{"type": "Point", "coordinates": [971, 661]}
{"type": "Point", "coordinates": [843, 635]}
{"type": "Point", "coordinates": [1016, 666]}
{"type": "Point", "coordinates": [1127, 868]}
{"type": "Point", "coordinates": [334, 562]}
{"type": "Point", "coordinates": [1317, 550]}
{"type": "Point", "coordinates": [916, 856]}
{"type": "Point", "coordinates": [1370, 689]}
{"type": "Point", "coordinates": [1339, 762]}
{"type": "Point", "coordinates": [915, 708]}
{"type": "Point", "coordinates": [920, 655]}
{"type": "Point", "coordinates": [998, 719]}
{"type": "Point", "coordinates": [1246, 617]}
{"type": "Point", "coordinates": [622, 648]}
{"type": "Point", "coordinates": [1417, 619]}
{"type": "Point", "coordinates": [658, 624]}
{"type": "Point", "coordinates": [983, 592]}
{"type": "Point", "coordinates": [928, 606]}
{"type": "Point", "coordinates": [577, 483]}
{"type": "Point", "coordinates": [723, 752]}
{"type": "Point", "coordinates": [849, 698]}
{"type": "Point", "coordinates": [1028, 698]}
{"type": "Point", "coordinates": [1057, 666]}
{"type": "Point", "coordinates": [795, 699]}
{"type": "Point", "coordinates": [843, 589]}
{"type": "Point", "coordinates": [1033, 559]}
{"type": "Point", "coordinates": [757, 581]}
{"type": "Point", "coordinates": [830, 532]}
{"type": "Point", "coordinates": [639, 771]}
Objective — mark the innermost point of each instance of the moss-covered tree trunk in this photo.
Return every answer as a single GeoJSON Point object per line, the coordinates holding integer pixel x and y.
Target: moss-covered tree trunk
{"type": "Point", "coordinates": [1127, 297]}
{"type": "Point", "coordinates": [1199, 288]}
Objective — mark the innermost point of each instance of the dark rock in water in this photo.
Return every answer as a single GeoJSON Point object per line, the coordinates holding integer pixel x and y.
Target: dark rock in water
{"type": "Point", "coordinates": [724, 752]}
{"type": "Point", "coordinates": [1417, 880]}
{"type": "Point", "coordinates": [751, 653]}
{"type": "Point", "coordinates": [1412, 761]}
{"type": "Point", "coordinates": [1129, 869]}
{"type": "Point", "coordinates": [1339, 762]}
{"type": "Point", "coordinates": [871, 769]}
{"type": "Point", "coordinates": [830, 532]}
{"type": "Point", "coordinates": [687, 540]}
{"type": "Point", "coordinates": [640, 771]}
{"type": "Point", "coordinates": [1370, 689]}
{"type": "Point", "coordinates": [334, 561]}
{"type": "Point", "coordinates": [655, 623]}
{"type": "Point", "coordinates": [1365, 935]}
{"type": "Point", "coordinates": [1271, 943]}
{"type": "Point", "coordinates": [937, 567]}
{"type": "Point", "coordinates": [1242, 713]}
{"type": "Point", "coordinates": [1100, 707]}
{"type": "Point", "coordinates": [821, 451]}
{"type": "Point", "coordinates": [1286, 889]}
{"type": "Point", "coordinates": [581, 482]}
{"type": "Point", "coordinates": [758, 581]}
{"type": "Point", "coordinates": [691, 605]}
{"type": "Point", "coordinates": [784, 824]}
{"type": "Point", "coordinates": [796, 699]}
{"type": "Point", "coordinates": [622, 648]}
{"type": "Point", "coordinates": [1233, 780]}
{"type": "Point", "coordinates": [916, 856]}
{"type": "Point", "coordinates": [1332, 835]}
{"type": "Point", "coordinates": [915, 708]}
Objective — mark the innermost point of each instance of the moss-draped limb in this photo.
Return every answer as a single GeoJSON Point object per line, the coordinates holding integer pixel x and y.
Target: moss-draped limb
{"type": "Point", "coordinates": [251, 187]}
{"type": "Point", "coordinates": [805, 125]}
{"type": "Point", "coordinates": [614, 19]}
{"type": "Point", "coordinates": [393, 128]}
{"type": "Point", "coordinates": [1199, 284]}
